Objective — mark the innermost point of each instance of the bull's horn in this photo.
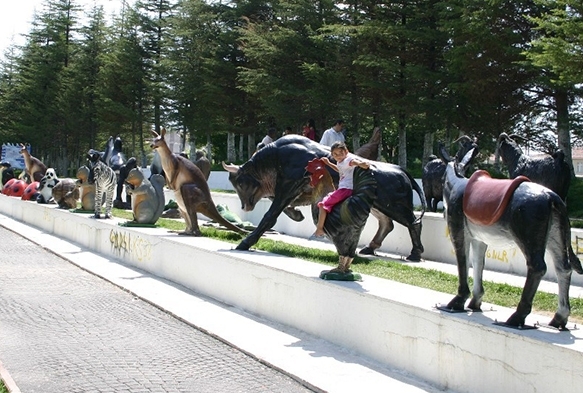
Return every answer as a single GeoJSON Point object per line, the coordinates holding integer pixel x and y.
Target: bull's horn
{"type": "Point", "coordinates": [443, 154]}
{"type": "Point", "coordinates": [231, 167]}
{"type": "Point", "coordinates": [464, 138]}
{"type": "Point", "coordinates": [514, 136]}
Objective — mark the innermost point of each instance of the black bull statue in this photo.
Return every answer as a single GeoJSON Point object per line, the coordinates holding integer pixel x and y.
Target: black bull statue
{"type": "Point", "coordinates": [482, 211]}
{"type": "Point", "coordinates": [278, 171]}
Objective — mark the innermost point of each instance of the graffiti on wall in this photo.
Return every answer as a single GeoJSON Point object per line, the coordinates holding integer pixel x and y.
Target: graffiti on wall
{"type": "Point", "coordinates": [127, 243]}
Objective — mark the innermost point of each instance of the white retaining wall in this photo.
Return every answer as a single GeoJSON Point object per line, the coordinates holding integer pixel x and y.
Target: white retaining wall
{"type": "Point", "coordinates": [390, 322]}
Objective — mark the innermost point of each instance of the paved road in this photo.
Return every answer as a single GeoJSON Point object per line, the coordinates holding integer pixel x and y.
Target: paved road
{"type": "Point", "coordinates": [64, 330]}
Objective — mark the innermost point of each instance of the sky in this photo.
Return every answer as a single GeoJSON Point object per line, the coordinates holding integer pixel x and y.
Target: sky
{"type": "Point", "coordinates": [16, 16]}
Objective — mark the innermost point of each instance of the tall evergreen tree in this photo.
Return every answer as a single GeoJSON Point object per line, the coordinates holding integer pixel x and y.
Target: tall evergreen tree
{"type": "Point", "coordinates": [558, 54]}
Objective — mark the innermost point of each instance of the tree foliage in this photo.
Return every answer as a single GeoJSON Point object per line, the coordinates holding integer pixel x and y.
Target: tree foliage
{"type": "Point", "coordinates": [222, 72]}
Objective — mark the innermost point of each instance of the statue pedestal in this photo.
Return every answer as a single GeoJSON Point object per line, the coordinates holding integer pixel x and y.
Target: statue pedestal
{"type": "Point", "coordinates": [348, 276]}
{"type": "Point", "coordinates": [136, 224]}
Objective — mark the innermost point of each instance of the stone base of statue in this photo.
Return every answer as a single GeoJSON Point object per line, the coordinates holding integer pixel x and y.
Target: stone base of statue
{"type": "Point", "coordinates": [523, 327]}
{"type": "Point", "coordinates": [82, 211]}
{"type": "Point", "coordinates": [340, 276]}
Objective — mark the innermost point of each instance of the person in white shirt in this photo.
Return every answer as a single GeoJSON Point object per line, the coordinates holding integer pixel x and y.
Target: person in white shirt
{"type": "Point", "coordinates": [333, 134]}
{"type": "Point", "coordinates": [267, 139]}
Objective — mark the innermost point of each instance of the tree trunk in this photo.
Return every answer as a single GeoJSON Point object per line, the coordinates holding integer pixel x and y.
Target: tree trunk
{"type": "Point", "coordinates": [241, 146]}
{"type": "Point", "coordinates": [402, 143]}
{"type": "Point", "coordinates": [563, 129]}
{"type": "Point", "coordinates": [231, 153]}
{"type": "Point", "coordinates": [427, 146]}
{"type": "Point", "coordinates": [250, 144]}
{"type": "Point", "coordinates": [209, 147]}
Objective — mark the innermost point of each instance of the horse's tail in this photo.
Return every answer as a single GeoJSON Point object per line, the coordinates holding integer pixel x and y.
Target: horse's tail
{"type": "Point", "coordinates": [564, 225]}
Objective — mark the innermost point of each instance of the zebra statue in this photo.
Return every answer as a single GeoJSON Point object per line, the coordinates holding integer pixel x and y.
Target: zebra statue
{"type": "Point", "coordinates": [105, 183]}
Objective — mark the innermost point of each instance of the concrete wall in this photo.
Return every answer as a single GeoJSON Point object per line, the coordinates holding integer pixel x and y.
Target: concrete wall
{"type": "Point", "coordinates": [390, 322]}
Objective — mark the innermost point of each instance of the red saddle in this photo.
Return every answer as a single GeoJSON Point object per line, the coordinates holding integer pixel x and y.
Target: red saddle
{"type": "Point", "coordinates": [485, 199]}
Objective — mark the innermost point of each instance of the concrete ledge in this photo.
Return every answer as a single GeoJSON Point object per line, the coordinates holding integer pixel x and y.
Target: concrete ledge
{"type": "Point", "coordinates": [389, 322]}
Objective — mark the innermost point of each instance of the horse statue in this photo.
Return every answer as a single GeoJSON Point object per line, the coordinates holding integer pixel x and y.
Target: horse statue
{"type": "Point", "coordinates": [481, 211]}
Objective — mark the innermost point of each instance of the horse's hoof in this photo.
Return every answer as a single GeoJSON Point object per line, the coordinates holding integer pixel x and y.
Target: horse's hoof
{"type": "Point", "coordinates": [559, 323]}
{"type": "Point", "coordinates": [367, 251]}
{"type": "Point", "coordinates": [97, 216]}
{"type": "Point", "coordinates": [457, 304]}
{"type": "Point", "coordinates": [243, 246]}
{"type": "Point", "coordinates": [475, 306]}
{"type": "Point", "coordinates": [515, 320]}
{"type": "Point", "coordinates": [194, 234]}
{"type": "Point", "coordinates": [414, 258]}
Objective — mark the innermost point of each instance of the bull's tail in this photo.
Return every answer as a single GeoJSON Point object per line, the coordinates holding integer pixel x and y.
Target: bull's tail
{"type": "Point", "coordinates": [564, 225]}
{"type": "Point", "coordinates": [421, 196]}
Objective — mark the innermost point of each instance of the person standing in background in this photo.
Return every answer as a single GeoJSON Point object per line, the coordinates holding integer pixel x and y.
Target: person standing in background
{"type": "Point", "coordinates": [333, 134]}
{"type": "Point", "coordinates": [267, 139]}
{"type": "Point", "coordinates": [310, 130]}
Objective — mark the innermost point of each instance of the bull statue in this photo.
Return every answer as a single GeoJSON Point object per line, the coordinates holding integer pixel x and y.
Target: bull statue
{"type": "Point", "coordinates": [550, 171]}
{"type": "Point", "coordinates": [433, 171]}
{"type": "Point", "coordinates": [278, 171]}
{"type": "Point", "coordinates": [481, 212]}
{"type": "Point", "coordinates": [345, 222]}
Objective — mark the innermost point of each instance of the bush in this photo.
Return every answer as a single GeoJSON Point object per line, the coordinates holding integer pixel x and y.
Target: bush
{"type": "Point", "coordinates": [575, 199]}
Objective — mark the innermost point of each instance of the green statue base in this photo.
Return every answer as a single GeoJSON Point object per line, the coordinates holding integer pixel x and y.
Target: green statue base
{"type": "Point", "coordinates": [337, 276]}
{"type": "Point", "coordinates": [136, 224]}
{"type": "Point", "coordinates": [82, 211]}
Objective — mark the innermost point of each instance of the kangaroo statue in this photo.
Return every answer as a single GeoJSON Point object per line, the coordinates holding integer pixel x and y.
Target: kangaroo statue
{"type": "Point", "coordinates": [190, 188]}
{"type": "Point", "coordinates": [34, 168]}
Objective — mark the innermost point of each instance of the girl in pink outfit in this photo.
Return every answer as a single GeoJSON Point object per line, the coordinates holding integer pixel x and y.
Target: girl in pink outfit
{"type": "Point", "coordinates": [345, 167]}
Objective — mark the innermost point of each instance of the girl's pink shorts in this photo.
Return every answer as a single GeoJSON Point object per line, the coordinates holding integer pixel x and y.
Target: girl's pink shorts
{"type": "Point", "coordinates": [334, 198]}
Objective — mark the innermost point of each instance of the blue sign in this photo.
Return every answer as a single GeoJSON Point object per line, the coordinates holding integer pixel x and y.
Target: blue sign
{"type": "Point", "coordinates": [11, 154]}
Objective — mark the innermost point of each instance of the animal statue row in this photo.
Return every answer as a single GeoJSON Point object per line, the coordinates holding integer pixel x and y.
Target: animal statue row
{"type": "Point", "coordinates": [481, 212]}
{"type": "Point", "coordinates": [278, 172]}
{"type": "Point", "coordinates": [550, 171]}
{"type": "Point", "coordinates": [190, 188]}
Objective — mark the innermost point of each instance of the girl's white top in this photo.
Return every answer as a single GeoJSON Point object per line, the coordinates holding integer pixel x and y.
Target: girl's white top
{"type": "Point", "coordinates": [346, 172]}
